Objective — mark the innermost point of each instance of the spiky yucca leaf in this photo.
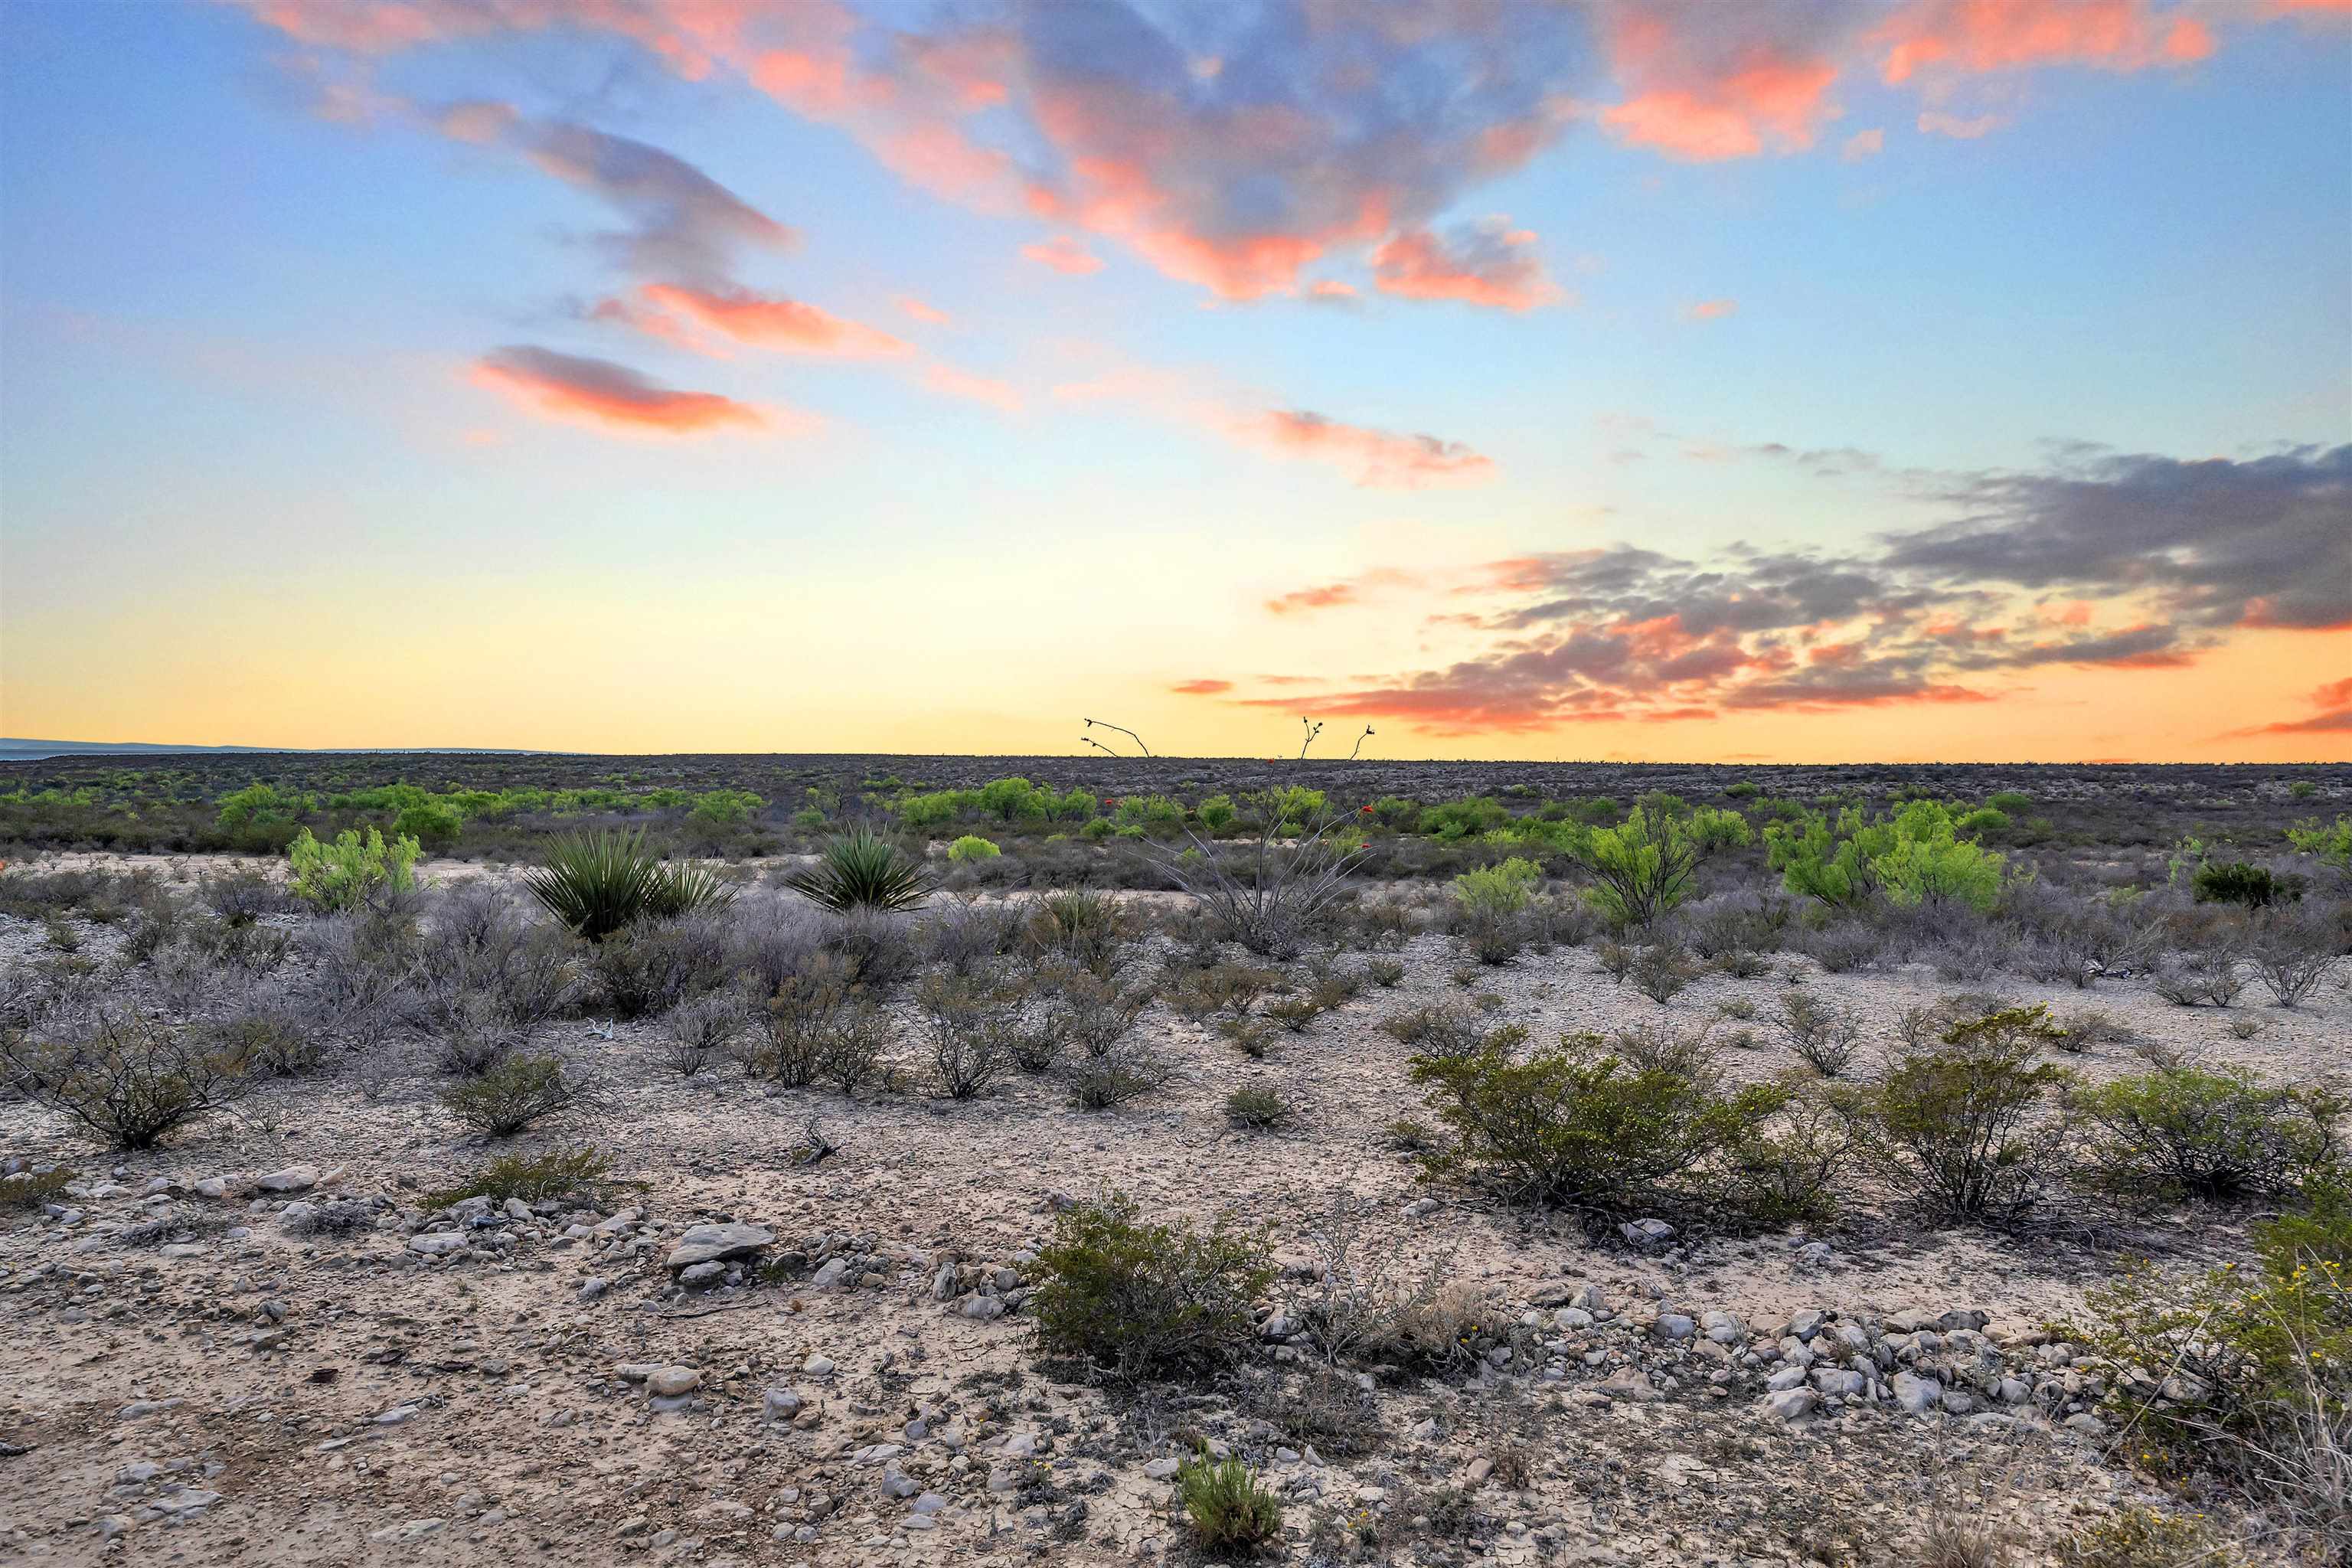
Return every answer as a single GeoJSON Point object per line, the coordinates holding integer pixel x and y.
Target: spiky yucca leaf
{"type": "Point", "coordinates": [863, 870]}
{"type": "Point", "coordinates": [597, 883]}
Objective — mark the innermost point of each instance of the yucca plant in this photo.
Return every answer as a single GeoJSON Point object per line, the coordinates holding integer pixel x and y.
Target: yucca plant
{"type": "Point", "coordinates": [863, 870]}
{"type": "Point", "coordinates": [597, 883]}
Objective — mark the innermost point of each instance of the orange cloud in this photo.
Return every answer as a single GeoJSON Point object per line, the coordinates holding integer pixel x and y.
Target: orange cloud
{"type": "Point", "coordinates": [1984, 36]}
{"type": "Point", "coordinates": [1492, 265]}
{"type": "Point", "coordinates": [1380, 457]}
{"type": "Point", "coordinates": [607, 396]}
{"type": "Point", "coordinates": [930, 315]}
{"type": "Point", "coordinates": [1063, 253]}
{"type": "Point", "coordinates": [1711, 310]}
{"type": "Point", "coordinates": [948, 381]}
{"type": "Point", "coordinates": [768, 323]}
{"type": "Point", "coordinates": [1200, 687]}
{"type": "Point", "coordinates": [1701, 96]}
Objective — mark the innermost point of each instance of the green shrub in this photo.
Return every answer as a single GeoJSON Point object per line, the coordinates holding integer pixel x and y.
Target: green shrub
{"type": "Point", "coordinates": [598, 883]}
{"type": "Point", "coordinates": [1644, 868]}
{"type": "Point", "coordinates": [341, 875]}
{"type": "Point", "coordinates": [1455, 819]}
{"type": "Point", "coordinates": [1139, 1299]}
{"type": "Point", "coordinates": [972, 847]}
{"type": "Point", "coordinates": [562, 1173]}
{"type": "Point", "coordinates": [1984, 819]}
{"type": "Point", "coordinates": [433, 823]}
{"type": "Point", "coordinates": [1216, 812]}
{"type": "Point", "coordinates": [1500, 890]}
{"type": "Point", "coordinates": [1578, 1126]}
{"type": "Point", "coordinates": [1258, 1107]}
{"type": "Point", "coordinates": [2332, 843]}
{"type": "Point", "coordinates": [127, 1080]}
{"type": "Point", "coordinates": [1914, 856]}
{"type": "Point", "coordinates": [941, 806]}
{"type": "Point", "coordinates": [1013, 800]}
{"type": "Point", "coordinates": [260, 804]}
{"type": "Point", "coordinates": [2184, 1131]}
{"type": "Point", "coordinates": [1229, 1514]}
{"type": "Point", "coordinates": [1451, 1029]}
{"type": "Point", "coordinates": [29, 1189]}
{"type": "Point", "coordinates": [511, 1095]}
{"type": "Point", "coordinates": [863, 870]}
{"type": "Point", "coordinates": [725, 807]}
{"type": "Point", "coordinates": [2010, 801]}
{"type": "Point", "coordinates": [2243, 1373]}
{"type": "Point", "coordinates": [2236, 883]}
{"type": "Point", "coordinates": [1961, 1129]}
{"type": "Point", "coordinates": [1745, 789]}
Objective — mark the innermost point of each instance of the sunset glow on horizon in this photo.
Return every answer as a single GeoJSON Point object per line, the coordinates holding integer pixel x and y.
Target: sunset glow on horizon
{"type": "Point", "coordinates": [1818, 381]}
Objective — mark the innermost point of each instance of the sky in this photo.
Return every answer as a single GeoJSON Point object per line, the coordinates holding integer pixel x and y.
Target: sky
{"type": "Point", "coordinates": [1793, 380]}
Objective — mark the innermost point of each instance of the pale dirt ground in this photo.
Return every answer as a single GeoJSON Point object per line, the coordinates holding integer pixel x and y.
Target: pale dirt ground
{"type": "Point", "coordinates": [524, 1448]}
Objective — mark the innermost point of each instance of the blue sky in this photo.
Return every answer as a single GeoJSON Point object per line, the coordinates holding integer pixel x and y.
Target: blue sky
{"type": "Point", "coordinates": [401, 337]}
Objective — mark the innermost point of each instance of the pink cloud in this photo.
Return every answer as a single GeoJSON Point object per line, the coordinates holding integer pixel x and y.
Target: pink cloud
{"type": "Point", "coordinates": [1711, 310]}
{"type": "Point", "coordinates": [1863, 145]}
{"type": "Point", "coordinates": [1490, 264]}
{"type": "Point", "coordinates": [930, 315]}
{"type": "Point", "coordinates": [602, 396]}
{"type": "Point", "coordinates": [1987, 36]}
{"type": "Point", "coordinates": [1063, 253]}
{"type": "Point", "coordinates": [766, 322]}
{"type": "Point", "coordinates": [1378, 458]}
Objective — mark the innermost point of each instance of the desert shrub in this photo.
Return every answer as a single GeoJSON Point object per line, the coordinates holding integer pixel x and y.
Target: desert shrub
{"type": "Point", "coordinates": [963, 934]}
{"type": "Point", "coordinates": [1786, 1170]}
{"type": "Point", "coordinates": [863, 870]}
{"type": "Point", "coordinates": [2206, 972]}
{"type": "Point", "coordinates": [2330, 843]}
{"type": "Point", "coordinates": [652, 966]}
{"type": "Point", "coordinates": [1449, 1029]}
{"type": "Point", "coordinates": [511, 1095]}
{"type": "Point", "coordinates": [1221, 988]}
{"type": "Point", "coordinates": [480, 970]}
{"type": "Point", "coordinates": [1216, 812]}
{"type": "Point", "coordinates": [1091, 1011]}
{"type": "Point", "coordinates": [600, 883]}
{"type": "Point", "coordinates": [1229, 1514]}
{"type": "Point", "coordinates": [1386, 972]}
{"type": "Point", "coordinates": [269, 1042]}
{"type": "Point", "coordinates": [2087, 1028]}
{"type": "Point", "coordinates": [342, 875]}
{"type": "Point", "coordinates": [1644, 866]}
{"type": "Point", "coordinates": [1258, 1107]}
{"type": "Point", "coordinates": [972, 847]}
{"type": "Point", "coordinates": [2237, 882]}
{"type": "Point", "coordinates": [2189, 1132]}
{"type": "Point", "coordinates": [725, 807]}
{"type": "Point", "coordinates": [1254, 1037]}
{"type": "Point", "coordinates": [1663, 971]}
{"type": "Point", "coordinates": [1914, 856]}
{"type": "Point", "coordinates": [1139, 1299]}
{"type": "Point", "coordinates": [1579, 1126]}
{"type": "Point", "coordinates": [820, 1027]}
{"type": "Point", "coordinates": [1266, 894]}
{"type": "Point", "coordinates": [2292, 955]}
{"type": "Point", "coordinates": [1961, 1129]}
{"type": "Point", "coordinates": [581, 1173]}
{"type": "Point", "coordinates": [241, 898]}
{"type": "Point", "coordinates": [1617, 959]}
{"type": "Point", "coordinates": [1504, 889]}
{"type": "Point", "coordinates": [1842, 947]}
{"type": "Point", "coordinates": [1295, 1013]}
{"type": "Point", "coordinates": [1824, 1036]}
{"type": "Point", "coordinates": [127, 1080]}
{"type": "Point", "coordinates": [1100, 1080]}
{"type": "Point", "coordinates": [970, 1023]}
{"type": "Point", "coordinates": [695, 1033]}
{"type": "Point", "coordinates": [876, 944]}
{"type": "Point", "coordinates": [2139, 1537]}
{"type": "Point", "coordinates": [1081, 925]}
{"type": "Point", "coordinates": [30, 1188]}
{"type": "Point", "coordinates": [2245, 1374]}
{"type": "Point", "coordinates": [258, 804]}
{"type": "Point", "coordinates": [1654, 1047]}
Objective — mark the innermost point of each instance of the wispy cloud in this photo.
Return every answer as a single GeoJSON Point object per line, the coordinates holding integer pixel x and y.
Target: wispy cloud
{"type": "Point", "coordinates": [607, 396]}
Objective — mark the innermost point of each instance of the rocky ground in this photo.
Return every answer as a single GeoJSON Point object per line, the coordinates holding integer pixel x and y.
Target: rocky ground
{"type": "Point", "coordinates": [263, 1344]}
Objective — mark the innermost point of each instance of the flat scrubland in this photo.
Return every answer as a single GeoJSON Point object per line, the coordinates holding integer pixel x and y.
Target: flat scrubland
{"type": "Point", "coordinates": [766, 1159]}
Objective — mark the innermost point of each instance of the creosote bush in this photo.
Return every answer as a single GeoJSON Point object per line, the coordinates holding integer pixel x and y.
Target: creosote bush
{"type": "Point", "coordinates": [1139, 1299]}
{"type": "Point", "coordinates": [2189, 1132]}
{"type": "Point", "coordinates": [511, 1095]}
{"type": "Point", "coordinates": [1258, 1107]}
{"type": "Point", "coordinates": [129, 1080]}
{"type": "Point", "coordinates": [581, 1173]}
{"type": "Point", "coordinates": [1580, 1126]}
{"type": "Point", "coordinates": [1966, 1129]}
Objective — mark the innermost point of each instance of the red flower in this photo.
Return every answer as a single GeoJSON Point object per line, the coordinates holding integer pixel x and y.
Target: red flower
{"type": "Point", "coordinates": [1366, 810]}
